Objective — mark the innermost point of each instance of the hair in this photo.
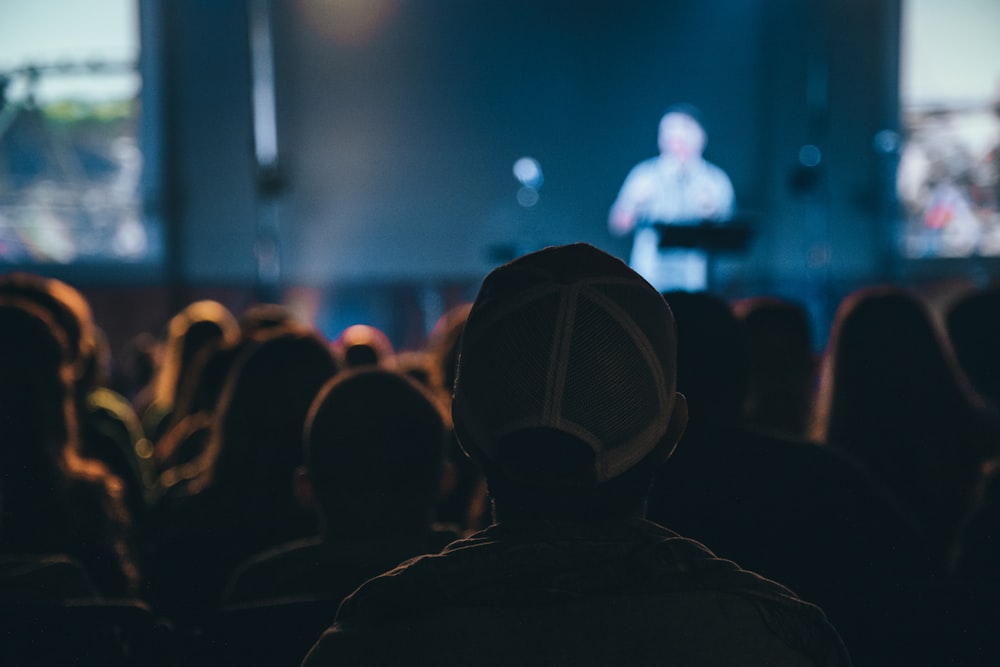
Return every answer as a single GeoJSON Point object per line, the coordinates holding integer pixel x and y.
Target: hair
{"type": "Point", "coordinates": [197, 399]}
{"type": "Point", "coordinates": [263, 316]}
{"type": "Point", "coordinates": [887, 363]}
{"type": "Point", "coordinates": [374, 447]}
{"type": "Point", "coordinates": [66, 307]}
{"type": "Point", "coordinates": [255, 441]}
{"type": "Point", "coordinates": [687, 109]}
{"type": "Point", "coordinates": [363, 345]}
{"type": "Point", "coordinates": [55, 501]}
{"type": "Point", "coordinates": [892, 395]}
{"type": "Point", "coordinates": [188, 332]}
{"type": "Point", "coordinates": [36, 376]}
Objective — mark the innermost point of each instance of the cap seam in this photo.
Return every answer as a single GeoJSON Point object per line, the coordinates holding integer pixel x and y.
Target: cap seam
{"type": "Point", "coordinates": [556, 375]}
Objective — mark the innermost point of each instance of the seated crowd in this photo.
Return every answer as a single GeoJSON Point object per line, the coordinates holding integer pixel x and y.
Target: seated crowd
{"type": "Point", "coordinates": [568, 471]}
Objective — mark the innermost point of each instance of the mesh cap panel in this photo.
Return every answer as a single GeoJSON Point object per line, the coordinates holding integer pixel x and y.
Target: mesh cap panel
{"type": "Point", "coordinates": [611, 387]}
{"type": "Point", "coordinates": [506, 380]}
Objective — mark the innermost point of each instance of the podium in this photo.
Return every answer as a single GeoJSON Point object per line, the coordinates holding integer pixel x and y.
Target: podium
{"type": "Point", "coordinates": [709, 236]}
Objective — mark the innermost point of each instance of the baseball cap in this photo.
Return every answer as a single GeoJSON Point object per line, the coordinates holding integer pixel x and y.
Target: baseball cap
{"type": "Point", "coordinates": [568, 338]}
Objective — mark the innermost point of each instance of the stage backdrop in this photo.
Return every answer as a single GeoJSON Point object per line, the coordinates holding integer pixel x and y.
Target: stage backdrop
{"type": "Point", "coordinates": [398, 127]}
{"type": "Point", "coordinates": [399, 133]}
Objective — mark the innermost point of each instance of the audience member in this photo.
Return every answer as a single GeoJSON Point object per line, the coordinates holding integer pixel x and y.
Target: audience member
{"type": "Point", "coordinates": [569, 399]}
{"type": "Point", "coordinates": [241, 500]}
{"type": "Point", "coordinates": [374, 460]}
{"type": "Point", "coordinates": [781, 365]}
{"type": "Point", "coordinates": [973, 323]}
{"type": "Point", "coordinates": [266, 316]}
{"type": "Point", "coordinates": [565, 395]}
{"type": "Point", "coordinates": [363, 345]}
{"type": "Point", "coordinates": [183, 443]}
{"type": "Point", "coordinates": [893, 396]}
{"type": "Point", "coordinates": [53, 501]}
{"type": "Point", "coordinates": [797, 513]}
{"type": "Point", "coordinates": [188, 332]}
{"type": "Point", "coordinates": [109, 430]}
{"type": "Point", "coordinates": [112, 432]}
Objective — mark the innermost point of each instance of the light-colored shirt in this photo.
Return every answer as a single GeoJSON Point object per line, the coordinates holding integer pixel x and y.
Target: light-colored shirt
{"type": "Point", "coordinates": [665, 190]}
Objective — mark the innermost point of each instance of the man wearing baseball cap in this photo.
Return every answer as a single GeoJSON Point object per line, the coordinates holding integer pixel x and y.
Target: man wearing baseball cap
{"type": "Point", "coordinates": [565, 396]}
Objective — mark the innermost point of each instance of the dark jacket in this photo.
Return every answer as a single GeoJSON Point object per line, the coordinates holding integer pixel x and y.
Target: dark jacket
{"type": "Point", "coordinates": [627, 592]}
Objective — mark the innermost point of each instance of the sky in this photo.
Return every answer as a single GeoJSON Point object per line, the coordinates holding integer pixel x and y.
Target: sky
{"type": "Point", "coordinates": [50, 31]}
{"type": "Point", "coordinates": [950, 51]}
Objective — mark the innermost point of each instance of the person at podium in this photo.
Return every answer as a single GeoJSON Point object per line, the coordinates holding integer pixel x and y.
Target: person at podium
{"type": "Point", "coordinates": [678, 187]}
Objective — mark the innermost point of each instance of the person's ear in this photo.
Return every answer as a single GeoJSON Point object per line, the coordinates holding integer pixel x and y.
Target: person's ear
{"type": "Point", "coordinates": [675, 429]}
{"type": "Point", "coordinates": [302, 487]}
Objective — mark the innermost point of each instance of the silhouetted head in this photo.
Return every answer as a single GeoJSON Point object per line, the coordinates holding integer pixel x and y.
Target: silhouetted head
{"type": "Point", "coordinates": [256, 443]}
{"type": "Point", "coordinates": [188, 333]}
{"type": "Point", "coordinates": [973, 323]}
{"type": "Point", "coordinates": [566, 381]}
{"type": "Point", "coordinates": [36, 377]}
{"type": "Point", "coordinates": [67, 308]}
{"type": "Point", "coordinates": [363, 345]}
{"type": "Point", "coordinates": [46, 484]}
{"type": "Point", "coordinates": [374, 448]}
{"type": "Point", "coordinates": [781, 364]}
{"type": "Point", "coordinates": [888, 367]}
{"type": "Point", "coordinates": [711, 351]}
{"type": "Point", "coordinates": [265, 316]}
{"type": "Point", "coordinates": [893, 396]}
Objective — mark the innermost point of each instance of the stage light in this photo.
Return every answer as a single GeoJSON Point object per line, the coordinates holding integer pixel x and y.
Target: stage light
{"type": "Point", "coordinates": [528, 172]}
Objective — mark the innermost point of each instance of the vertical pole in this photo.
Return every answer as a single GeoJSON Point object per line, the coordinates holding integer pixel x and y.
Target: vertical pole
{"type": "Point", "coordinates": [265, 140]}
